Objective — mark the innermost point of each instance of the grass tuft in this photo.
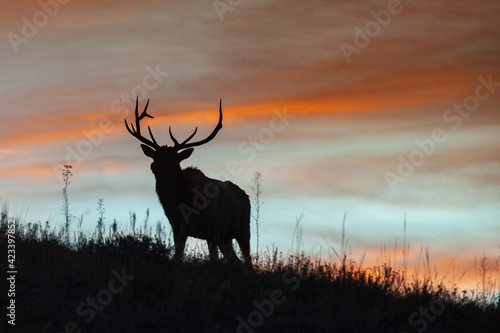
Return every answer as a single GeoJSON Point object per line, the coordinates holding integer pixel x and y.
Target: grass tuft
{"type": "Point", "coordinates": [57, 283]}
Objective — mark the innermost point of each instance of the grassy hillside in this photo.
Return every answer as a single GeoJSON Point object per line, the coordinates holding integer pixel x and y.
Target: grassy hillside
{"type": "Point", "coordinates": [130, 283]}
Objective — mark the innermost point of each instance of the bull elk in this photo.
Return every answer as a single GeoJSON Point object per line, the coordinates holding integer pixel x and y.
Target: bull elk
{"type": "Point", "coordinates": [195, 205]}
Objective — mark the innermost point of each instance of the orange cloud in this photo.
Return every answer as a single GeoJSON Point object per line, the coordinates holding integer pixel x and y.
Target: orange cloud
{"type": "Point", "coordinates": [460, 270]}
{"type": "Point", "coordinates": [32, 175]}
{"type": "Point", "coordinates": [49, 128]}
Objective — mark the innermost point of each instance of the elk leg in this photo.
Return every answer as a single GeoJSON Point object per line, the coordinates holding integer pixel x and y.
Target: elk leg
{"type": "Point", "coordinates": [180, 244]}
{"type": "Point", "coordinates": [227, 250]}
{"type": "Point", "coordinates": [244, 244]}
{"type": "Point", "coordinates": [212, 251]}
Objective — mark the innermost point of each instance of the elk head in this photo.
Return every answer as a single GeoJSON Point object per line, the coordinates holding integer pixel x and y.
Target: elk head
{"type": "Point", "coordinates": [166, 159]}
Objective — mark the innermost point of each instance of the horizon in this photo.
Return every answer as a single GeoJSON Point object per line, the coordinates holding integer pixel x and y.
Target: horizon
{"type": "Point", "coordinates": [382, 110]}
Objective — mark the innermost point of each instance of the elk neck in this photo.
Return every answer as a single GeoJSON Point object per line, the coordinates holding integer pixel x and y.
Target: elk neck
{"type": "Point", "coordinates": [172, 188]}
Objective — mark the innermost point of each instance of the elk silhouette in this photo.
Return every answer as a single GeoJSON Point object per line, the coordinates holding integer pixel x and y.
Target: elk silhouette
{"type": "Point", "coordinates": [194, 204]}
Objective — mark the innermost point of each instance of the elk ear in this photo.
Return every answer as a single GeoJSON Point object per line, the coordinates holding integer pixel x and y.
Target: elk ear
{"type": "Point", "coordinates": [148, 151]}
{"type": "Point", "coordinates": [185, 154]}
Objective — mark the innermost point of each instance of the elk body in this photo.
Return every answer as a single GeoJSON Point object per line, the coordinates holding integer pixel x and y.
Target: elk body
{"type": "Point", "coordinates": [196, 205]}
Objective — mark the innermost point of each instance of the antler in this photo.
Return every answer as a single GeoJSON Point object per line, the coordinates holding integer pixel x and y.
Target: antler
{"type": "Point", "coordinates": [184, 144]}
{"type": "Point", "coordinates": [178, 146]}
{"type": "Point", "coordinates": [137, 133]}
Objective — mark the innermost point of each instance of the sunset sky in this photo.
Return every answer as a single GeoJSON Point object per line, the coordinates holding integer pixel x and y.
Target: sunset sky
{"type": "Point", "coordinates": [374, 108]}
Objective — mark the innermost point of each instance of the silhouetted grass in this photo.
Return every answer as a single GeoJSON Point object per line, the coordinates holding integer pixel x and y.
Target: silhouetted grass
{"type": "Point", "coordinates": [283, 294]}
